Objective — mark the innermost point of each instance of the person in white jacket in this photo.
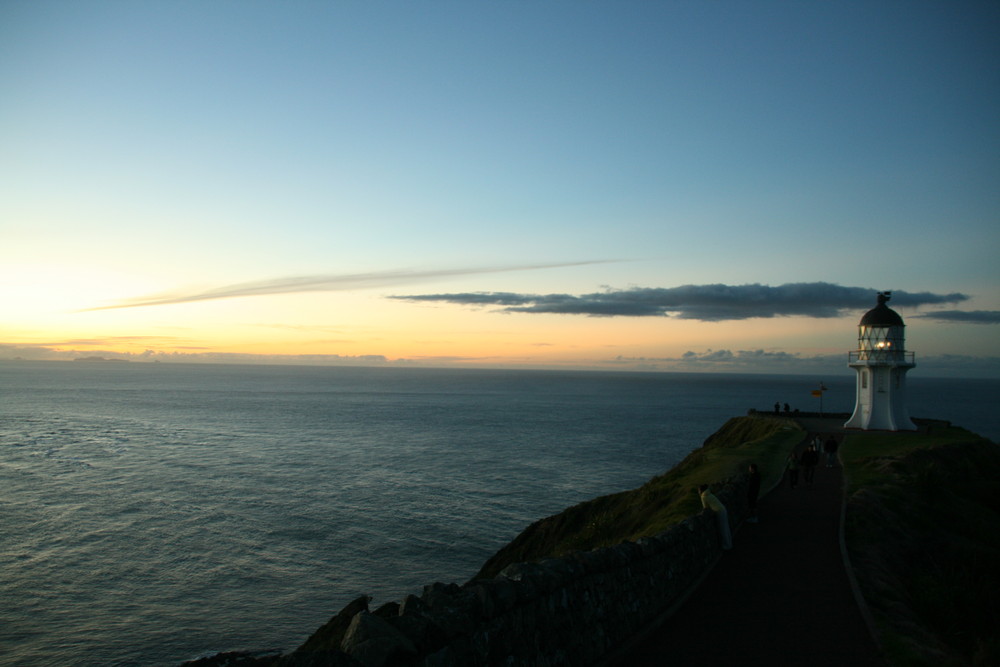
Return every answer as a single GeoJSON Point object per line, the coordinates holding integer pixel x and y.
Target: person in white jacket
{"type": "Point", "coordinates": [709, 501]}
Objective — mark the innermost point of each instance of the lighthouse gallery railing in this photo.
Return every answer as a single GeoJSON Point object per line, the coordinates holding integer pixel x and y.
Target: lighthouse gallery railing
{"type": "Point", "coordinates": [881, 355]}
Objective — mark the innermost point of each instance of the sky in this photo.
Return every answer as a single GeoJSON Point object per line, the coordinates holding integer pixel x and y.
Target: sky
{"type": "Point", "coordinates": [655, 186]}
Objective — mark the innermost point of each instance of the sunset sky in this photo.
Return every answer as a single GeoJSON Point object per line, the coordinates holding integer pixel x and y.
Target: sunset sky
{"type": "Point", "coordinates": [717, 186]}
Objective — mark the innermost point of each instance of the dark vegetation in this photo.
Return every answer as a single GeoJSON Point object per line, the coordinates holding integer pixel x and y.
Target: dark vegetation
{"type": "Point", "coordinates": [923, 533]}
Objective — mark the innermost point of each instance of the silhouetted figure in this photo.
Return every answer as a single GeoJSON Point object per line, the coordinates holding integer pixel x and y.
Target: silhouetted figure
{"type": "Point", "coordinates": [777, 408]}
{"type": "Point", "coordinates": [753, 490]}
{"type": "Point", "coordinates": [792, 468]}
{"type": "Point", "coordinates": [831, 451]}
{"type": "Point", "coordinates": [788, 408]}
{"type": "Point", "coordinates": [809, 460]}
{"type": "Point", "coordinates": [709, 501]}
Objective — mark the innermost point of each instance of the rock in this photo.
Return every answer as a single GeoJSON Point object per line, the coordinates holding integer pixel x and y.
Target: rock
{"type": "Point", "coordinates": [372, 641]}
{"type": "Point", "coordinates": [329, 658]}
{"type": "Point", "coordinates": [330, 635]}
{"type": "Point", "coordinates": [235, 659]}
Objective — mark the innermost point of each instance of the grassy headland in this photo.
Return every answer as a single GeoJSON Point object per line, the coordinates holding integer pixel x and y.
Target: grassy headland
{"type": "Point", "coordinates": [922, 527]}
{"type": "Point", "coordinates": [661, 502]}
{"type": "Point", "coordinates": [922, 530]}
{"type": "Point", "coordinates": [923, 534]}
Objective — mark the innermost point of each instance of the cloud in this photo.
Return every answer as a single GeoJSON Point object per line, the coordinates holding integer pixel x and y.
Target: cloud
{"type": "Point", "coordinates": [779, 361]}
{"type": "Point", "coordinates": [112, 340]}
{"type": "Point", "coordinates": [748, 358]}
{"type": "Point", "coordinates": [710, 303]}
{"type": "Point", "coordinates": [965, 316]}
{"type": "Point", "coordinates": [190, 354]}
{"type": "Point", "coordinates": [325, 283]}
{"type": "Point", "coordinates": [709, 361]}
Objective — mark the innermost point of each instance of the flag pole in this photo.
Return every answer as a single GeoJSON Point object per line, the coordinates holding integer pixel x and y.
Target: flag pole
{"type": "Point", "coordinates": [819, 394]}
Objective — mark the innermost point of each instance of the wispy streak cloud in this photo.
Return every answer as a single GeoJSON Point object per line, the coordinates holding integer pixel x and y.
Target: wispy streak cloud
{"type": "Point", "coordinates": [327, 283]}
{"type": "Point", "coordinates": [710, 303]}
{"type": "Point", "coordinates": [964, 316]}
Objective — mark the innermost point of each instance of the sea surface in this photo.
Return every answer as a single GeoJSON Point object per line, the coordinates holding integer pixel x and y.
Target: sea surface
{"type": "Point", "coordinates": [154, 513]}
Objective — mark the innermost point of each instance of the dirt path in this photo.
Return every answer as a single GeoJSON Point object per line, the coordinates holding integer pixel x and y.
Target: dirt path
{"type": "Point", "coordinates": [780, 597]}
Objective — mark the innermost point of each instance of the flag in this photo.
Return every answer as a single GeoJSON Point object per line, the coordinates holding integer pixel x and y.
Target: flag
{"type": "Point", "coordinates": [818, 393]}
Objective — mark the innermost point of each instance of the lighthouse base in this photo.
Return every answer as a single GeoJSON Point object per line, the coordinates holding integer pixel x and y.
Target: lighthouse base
{"type": "Point", "coordinates": [881, 398]}
{"type": "Point", "coordinates": [866, 421]}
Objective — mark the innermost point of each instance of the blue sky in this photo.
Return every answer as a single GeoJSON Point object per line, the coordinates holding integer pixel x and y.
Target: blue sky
{"type": "Point", "coordinates": [348, 154]}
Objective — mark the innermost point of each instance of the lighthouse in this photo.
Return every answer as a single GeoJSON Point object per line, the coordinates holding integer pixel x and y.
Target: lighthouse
{"type": "Point", "coordinates": [881, 362]}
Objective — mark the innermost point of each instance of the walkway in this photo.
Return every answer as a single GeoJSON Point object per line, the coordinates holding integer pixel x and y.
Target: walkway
{"type": "Point", "coordinates": [780, 597]}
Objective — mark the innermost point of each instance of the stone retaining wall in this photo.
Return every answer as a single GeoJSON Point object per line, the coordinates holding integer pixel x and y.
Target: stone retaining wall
{"type": "Point", "coordinates": [573, 610]}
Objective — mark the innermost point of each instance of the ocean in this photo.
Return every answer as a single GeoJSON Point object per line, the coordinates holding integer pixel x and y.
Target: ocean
{"type": "Point", "coordinates": [154, 513]}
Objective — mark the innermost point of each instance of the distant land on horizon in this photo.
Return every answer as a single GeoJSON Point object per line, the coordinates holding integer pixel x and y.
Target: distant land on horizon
{"type": "Point", "coordinates": [931, 370]}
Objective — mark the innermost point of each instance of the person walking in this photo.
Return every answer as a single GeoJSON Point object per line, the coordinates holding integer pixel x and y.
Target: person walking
{"type": "Point", "coordinates": [753, 491]}
{"type": "Point", "coordinates": [792, 468]}
{"type": "Point", "coordinates": [809, 460]}
{"type": "Point", "coordinates": [831, 451]}
{"type": "Point", "coordinates": [709, 501]}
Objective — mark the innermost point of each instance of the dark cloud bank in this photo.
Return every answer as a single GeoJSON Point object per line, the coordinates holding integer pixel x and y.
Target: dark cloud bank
{"type": "Point", "coordinates": [709, 303]}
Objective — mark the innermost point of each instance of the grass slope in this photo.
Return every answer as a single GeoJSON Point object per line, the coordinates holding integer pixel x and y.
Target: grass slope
{"type": "Point", "coordinates": [923, 534]}
{"type": "Point", "coordinates": [663, 501]}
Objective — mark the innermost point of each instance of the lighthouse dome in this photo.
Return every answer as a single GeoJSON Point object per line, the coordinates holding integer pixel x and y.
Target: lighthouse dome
{"type": "Point", "coordinates": [882, 315]}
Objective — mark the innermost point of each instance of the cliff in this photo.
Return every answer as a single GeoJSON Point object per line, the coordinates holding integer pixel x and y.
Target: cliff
{"type": "Point", "coordinates": [570, 588]}
{"type": "Point", "coordinates": [662, 502]}
{"type": "Point", "coordinates": [922, 528]}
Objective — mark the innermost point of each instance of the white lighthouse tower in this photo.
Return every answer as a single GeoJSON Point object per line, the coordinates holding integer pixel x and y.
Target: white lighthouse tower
{"type": "Point", "coordinates": [881, 361]}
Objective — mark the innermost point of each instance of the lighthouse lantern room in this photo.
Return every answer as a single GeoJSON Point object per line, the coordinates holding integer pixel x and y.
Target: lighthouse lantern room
{"type": "Point", "coordinates": [881, 362]}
